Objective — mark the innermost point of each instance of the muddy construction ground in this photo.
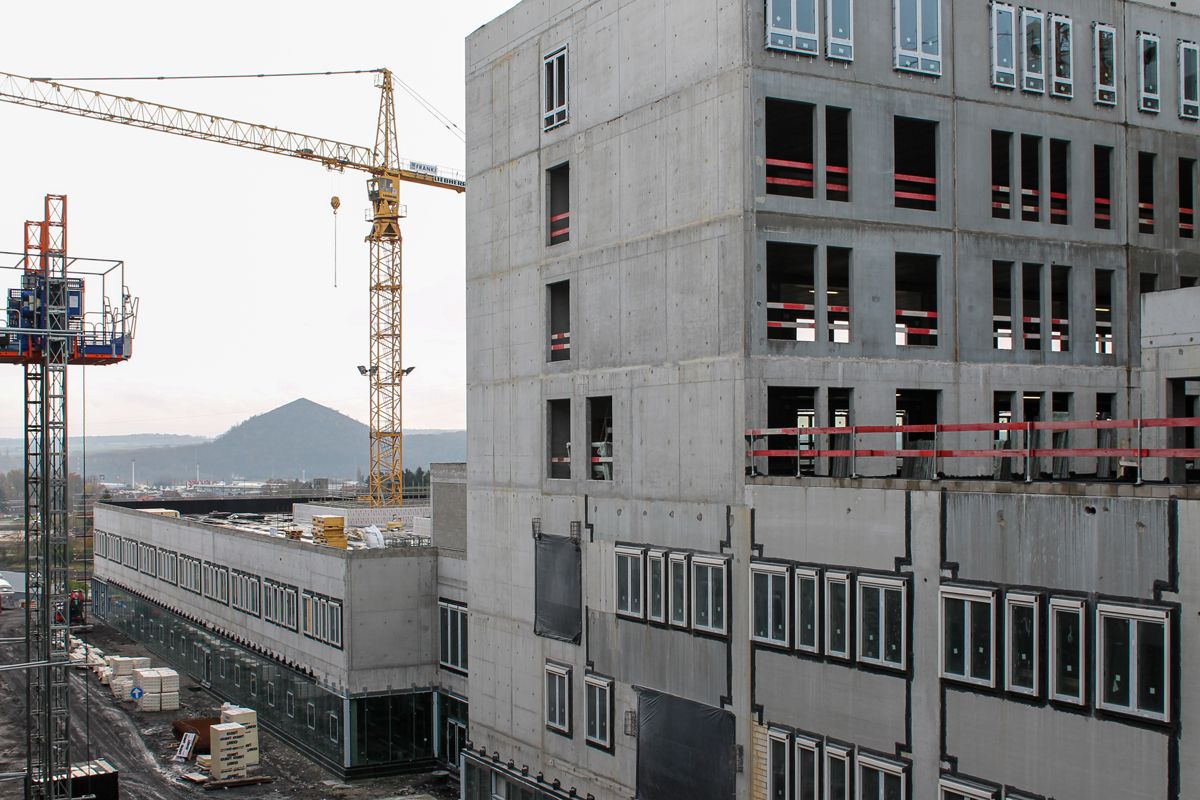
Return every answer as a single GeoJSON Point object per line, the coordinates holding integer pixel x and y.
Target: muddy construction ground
{"type": "Point", "coordinates": [141, 745]}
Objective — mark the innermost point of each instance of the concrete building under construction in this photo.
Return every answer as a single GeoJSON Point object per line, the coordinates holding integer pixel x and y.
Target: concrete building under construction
{"type": "Point", "coordinates": [831, 400]}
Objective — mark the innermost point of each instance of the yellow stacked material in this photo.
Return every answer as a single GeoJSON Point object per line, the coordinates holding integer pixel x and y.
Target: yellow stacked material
{"type": "Point", "coordinates": [329, 530]}
{"type": "Point", "coordinates": [293, 531]}
{"type": "Point", "coordinates": [248, 719]}
{"type": "Point", "coordinates": [395, 525]}
{"type": "Point", "coordinates": [162, 512]}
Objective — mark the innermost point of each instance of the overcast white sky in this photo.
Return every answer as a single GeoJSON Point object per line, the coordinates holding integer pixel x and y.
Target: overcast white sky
{"type": "Point", "coordinates": [230, 250]}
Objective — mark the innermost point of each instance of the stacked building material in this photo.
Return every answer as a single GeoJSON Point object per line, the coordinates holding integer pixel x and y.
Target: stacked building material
{"type": "Point", "coordinates": [228, 748]}
{"type": "Point", "coordinates": [161, 512]}
{"type": "Point", "coordinates": [294, 532]}
{"type": "Point", "coordinates": [329, 530]}
{"type": "Point", "coordinates": [248, 719]}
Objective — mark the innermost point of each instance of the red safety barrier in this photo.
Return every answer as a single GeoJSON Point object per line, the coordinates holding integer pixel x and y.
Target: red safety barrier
{"type": "Point", "coordinates": [1187, 222]}
{"type": "Point", "coordinates": [556, 233]}
{"type": "Point", "coordinates": [907, 185]}
{"type": "Point", "coordinates": [790, 177]}
{"type": "Point", "coordinates": [560, 341]}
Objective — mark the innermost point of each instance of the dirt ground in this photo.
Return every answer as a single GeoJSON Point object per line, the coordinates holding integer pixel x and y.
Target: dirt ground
{"type": "Point", "coordinates": [141, 745]}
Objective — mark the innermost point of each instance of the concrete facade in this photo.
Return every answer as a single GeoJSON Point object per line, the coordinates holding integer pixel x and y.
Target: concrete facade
{"type": "Point", "coordinates": [669, 279]}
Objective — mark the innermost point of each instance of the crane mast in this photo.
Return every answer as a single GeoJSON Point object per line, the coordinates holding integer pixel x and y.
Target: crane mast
{"type": "Point", "coordinates": [386, 171]}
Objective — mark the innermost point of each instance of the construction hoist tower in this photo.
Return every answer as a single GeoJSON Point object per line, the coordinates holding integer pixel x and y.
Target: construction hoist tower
{"type": "Point", "coordinates": [46, 329]}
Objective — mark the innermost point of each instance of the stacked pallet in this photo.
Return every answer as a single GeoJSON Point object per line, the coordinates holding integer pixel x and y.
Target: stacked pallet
{"type": "Point", "coordinates": [228, 747]}
{"type": "Point", "coordinates": [294, 532]}
{"type": "Point", "coordinates": [160, 689]}
{"type": "Point", "coordinates": [329, 530]}
{"type": "Point", "coordinates": [248, 719]}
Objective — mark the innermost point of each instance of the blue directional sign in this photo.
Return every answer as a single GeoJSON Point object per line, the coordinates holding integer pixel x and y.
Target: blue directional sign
{"type": "Point", "coordinates": [136, 693]}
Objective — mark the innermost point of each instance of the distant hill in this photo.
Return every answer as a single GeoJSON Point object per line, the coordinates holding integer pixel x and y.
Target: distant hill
{"type": "Point", "coordinates": [301, 438]}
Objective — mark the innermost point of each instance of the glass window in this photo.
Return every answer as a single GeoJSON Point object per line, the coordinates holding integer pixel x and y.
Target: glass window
{"type": "Point", "coordinates": [554, 67]}
{"type": "Point", "coordinates": [957, 789]}
{"type": "Point", "coordinates": [808, 772]}
{"type": "Point", "coordinates": [918, 44]}
{"type": "Point", "coordinates": [708, 595]}
{"type": "Point", "coordinates": [792, 26]}
{"type": "Point", "coordinates": [807, 603]}
{"type": "Point", "coordinates": [1148, 95]}
{"type": "Point", "coordinates": [558, 698]}
{"type": "Point", "coordinates": [679, 589]}
{"type": "Point", "coordinates": [837, 614]}
{"type": "Point", "coordinates": [769, 609]}
{"type": "Point", "coordinates": [1105, 46]}
{"type": "Point", "coordinates": [1066, 650]}
{"type": "Point", "coordinates": [1033, 59]}
{"type": "Point", "coordinates": [1134, 651]}
{"type": "Point", "coordinates": [880, 779]}
{"type": "Point", "coordinates": [837, 772]}
{"type": "Point", "coordinates": [1022, 625]}
{"type": "Point", "coordinates": [657, 578]}
{"type": "Point", "coordinates": [599, 710]}
{"type": "Point", "coordinates": [839, 29]}
{"type": "Point", "coordinates": [453, 651]}
{"type": "Point", "coordinates": [779, 766]}
{"type": "Point", "coordinates": [881, 621]}
{"type": "Point", "coordinates": [629, 581]}
{"type": "Point", "coordinates": [1004, 46]}
{"type": "Point", "coordinates": [967, 635]}
{"type": "Point", "coordinates": [1062, 33]}
{"type": "Point", "coordinates": [1189, 80]}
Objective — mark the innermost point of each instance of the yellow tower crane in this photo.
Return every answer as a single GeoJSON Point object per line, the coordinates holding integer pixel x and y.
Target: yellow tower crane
{"type": "Point", "coordinates": [386, 170]}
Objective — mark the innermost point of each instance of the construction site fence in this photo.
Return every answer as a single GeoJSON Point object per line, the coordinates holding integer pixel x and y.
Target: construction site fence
{"type": "Point", "coordinates": [1124, 449]}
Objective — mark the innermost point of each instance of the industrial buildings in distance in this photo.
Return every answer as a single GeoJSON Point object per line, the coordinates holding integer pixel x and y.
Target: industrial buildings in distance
{"type": "Point", "coordinates": [701, 235]}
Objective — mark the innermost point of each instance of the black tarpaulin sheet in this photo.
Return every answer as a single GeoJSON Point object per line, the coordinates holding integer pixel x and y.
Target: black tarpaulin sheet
{"type": "Point", "coordinates": [558, 593]}
{"type": "Point", "coordinates": [685, 749]}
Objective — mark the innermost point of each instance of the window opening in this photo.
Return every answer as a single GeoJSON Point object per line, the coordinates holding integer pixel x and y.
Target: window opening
{"type": "Point", "coordinates": [967, 635]}
{"type": "Point", "coordinates": [558, 300]}
{"type": "Point", "coordinates": [881, 614]}
{"type": "Point", "coordinates": [1002, 306]}
{"type": "Point", "coordinates": [918, 36]}
{"type": "Point", "coordinates": [837, 152]}
{"type": "Point", "coordinates": [837, 614]}
{"type": "Point", "coordinates": [554, 67]}
{"type": "Point", "coordinates": [769, 608]}
{"type": "Point", "coordinates": [1187, 197]}
{"type": "Point", "coordinates": [1033, 59]}
{"type": "Point", "coordinates": [1031, 305]}
{"type": "Point", "coordinates": [916, 300]}
{"type": "Point", "coordinates": [1147, 282]}
{"type": "Point", "coordinates": [1189, 80]}
{"type": "Point", "coordinates": [599, 710]}
{"type": "Point", "coordinates": [837, 291]}
{"type": "Point", "coordinates": [558, 211]}
{"type": "Point", "coordinates": [792, 26]}
{"type": "Point", "coordinates": [791, 148]}
{"type": "Point", "coordinates": [1105, 66]}
{"type": "Point", "coordinates": [1001, 174]}
{"type": "Point", "coordinates": [1022, 625]}
{"type": "Point", "coordinates": [779, 765]}
{"type": "Point", "coordinates": [1060, 173]}
{"type": "Point", "coordinates": [708, 599]}
{"type": "Point", "coordinates": [656, 578]}
{"type": "Point", "coordinates": [837, 772]}
{"type": "Point", "coordinates": [1146, 192]}
{"type": "Point", "coordinates": [791, 292]}
{"type": "Point", "coordinates": [1002, 413]}
{"type": "Point", "coordinates": [916, 407]}
{"type": "Point", "coordinates": [839, 30]}
{"type": "Point", "coordinates": [1060, 308]}
{"type": "Point", "coordinates": [808, 603]}
{"type": "Point", "coordinates": [880, 779]}
{"type": "Point", "coordinates": [808, 768]}
{"type": "Point", "coordinates": [558, 698]}
{"type": "Point", "coordinates": [915, 163]}
{"type": "Point", "coordinates": [955, 789]}
{"type": "Point", "coordinates": [1004, 46]}
{"type": "Point", "coordinates": [1031, 178]}
{"type": "Point", "coordinates": [790, 407]}
{"type": "Point", "coordinates": [678, 573]}
{"type": "Point", "coordinates": [560, 437]}
{"type": "Point", "coordinates": [600, 441]}
{"type": "Point", "coordinates": [1062, 32]}
{"type": "Point", "coordinates": [1132, 660]}
{"type": "Point", "coordinates": [1148, 95]}
{"type": "Point", "coordinates": [1102, 176]}
{"type": "Point", "coordinates": [629, 582]}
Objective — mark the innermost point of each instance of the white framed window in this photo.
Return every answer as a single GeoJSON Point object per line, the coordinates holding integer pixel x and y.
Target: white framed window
{"type": "Point", "coordinates": [918, 42]}
{"type": "Point", "coordinates": [599, 710]}
{"type": "Point", "coordinates": [1062, 35]}
{"type": "Point", "coordinates": [1004, 46]}
{"type": "Point", "coordinates": [629, 582]}
{"type": "Point", "coordinates": [1104, 58]}
{"type": "Point", "coordinates": [779, 765]}
{"type": "Point", "coordinates": [1149, 99]}
{"type": "Point", "coordinates": [246, 592]}
{"type": "Point", "coordinates": [769, 604]}
{"type": "Point", "coordinates": [808, 610]}
{"type": "Point", "coordinates": [334, 729]}
{"type": "Point", "coordinates": [880, 778]}
{"type": "Point", "coordinates": [168, 569]}
{"type": "Point", "coordinates": [708, 594]}
{"type": "Point", "coordinates": [677, 572]}
{"type": "Point", "coordinates": [839, 30]}
{"type": "Point", "coordinates": [839, 761]}
{"type": "Point", "coordinates": [189, 577]}
{"type": "Point", "coordinates": [959, 789]}
{"type": "Point", "coordinates": [1067, 635]}
{"type": "Point", "coordinates": [882, 638]}
{"type": "Point", "coordinates": [1189, 80]}
{"type": "Point", "coordinates": [334, 628]}
{"type": "Point", "coordinates": [1133, 657]}
{"type": "Point", "coordinates": [808, 768]}
{"type": "Point", "coordinates": [310, 717]}
{"type": "Point", "coordinates": [792, 25]}
{"type": "Point", "coordinates": [271, 694]}
{"type": "Point", "coordinates": [1021, 622]}
{"type": "Point", "coordinates": [453, 629]}
{"type": "Point", "coordinates": [968, 635]}
{"type": "Point", "coordinates": [1033, 55]}
{"type": "Point", "coordinates": [555, 88]}
{"type": "Point", "coordinates": [558, 698]}
{"type": "Point", "coordinates": [837, 613]}
{"type": "Point", "coordinates": [656, 589]}
{"type": "Point", "coordinates": [289, 704]}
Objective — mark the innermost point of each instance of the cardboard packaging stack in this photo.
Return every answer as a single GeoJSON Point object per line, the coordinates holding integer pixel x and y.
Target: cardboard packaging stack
{"type": "Point", "coordinates": [228, 747]}
{"type": "Point", "coordinates": [329, 530]}
{"type": "Point", "coordinates": [160, 689]}
{"type": "Point", "coordinates": [170, 689]}
{"type": "Point", "coordinates": [248, 719]}
{"type": "Point", "coordinates": [293, 532]}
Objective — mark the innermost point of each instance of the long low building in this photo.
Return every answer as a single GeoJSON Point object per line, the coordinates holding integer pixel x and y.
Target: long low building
{"type": "Point", "coordinates": [355, 656]}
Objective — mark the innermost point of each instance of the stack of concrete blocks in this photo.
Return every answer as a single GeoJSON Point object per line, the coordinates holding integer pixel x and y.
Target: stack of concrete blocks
{"type": "Point", "coordinates": [169, 679]}
{"type": "Point", "coordinates": [121, 679]}
{"type": "Point", "coordinates": [248, 719]}
{"type": "Point", "coordinates": [228, 748]}
{"type": "Point", "coordinates": [160, 689]}
{"type": "Point", "coordinates": [329, 530]}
